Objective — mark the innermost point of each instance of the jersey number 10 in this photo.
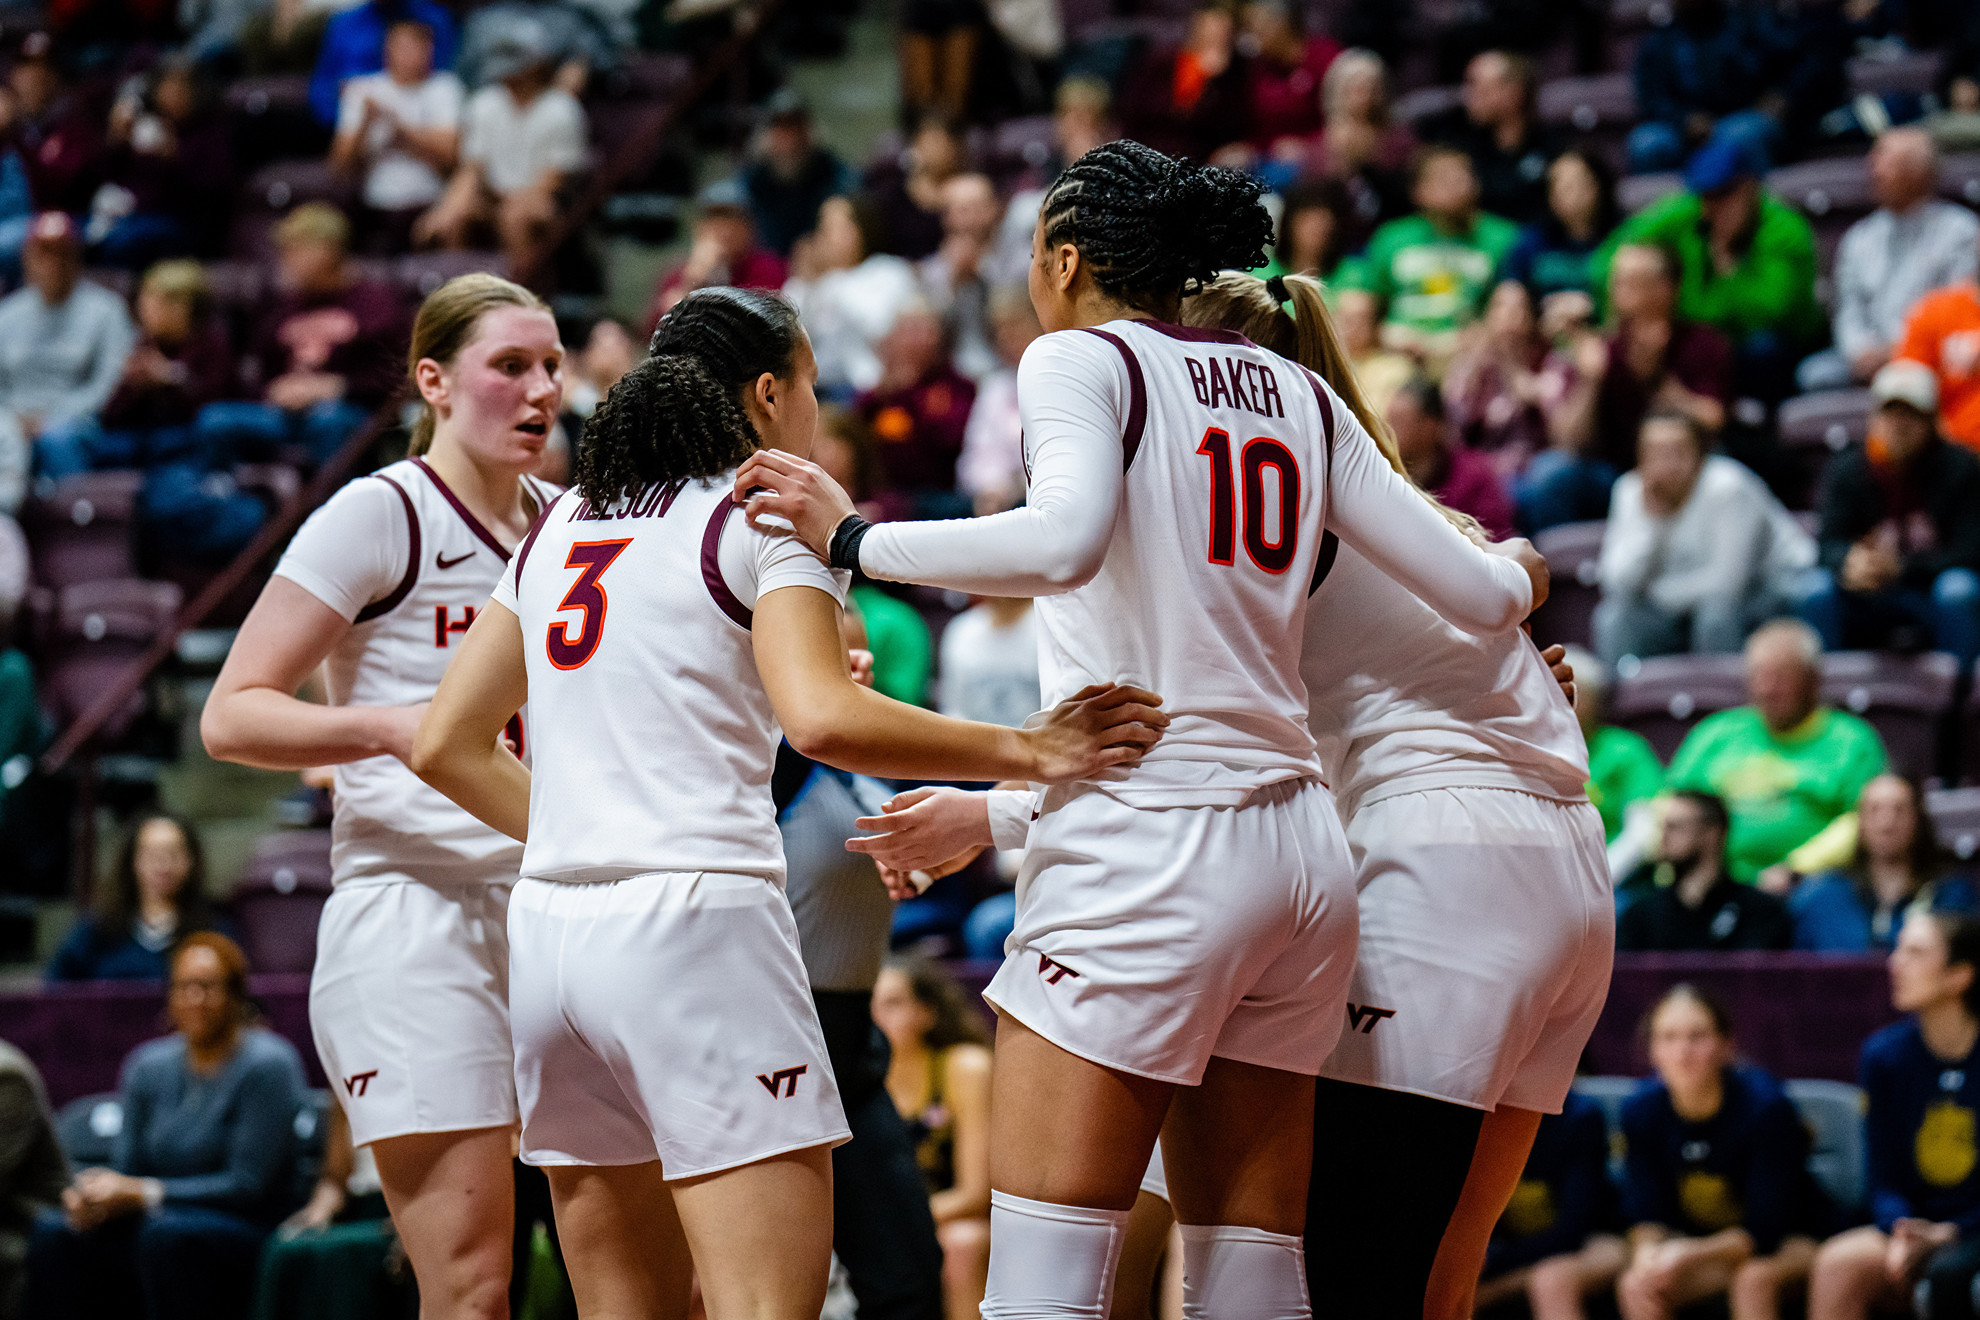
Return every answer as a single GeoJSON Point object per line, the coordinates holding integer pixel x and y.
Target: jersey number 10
{"type": "Point", "coordinates": [1259, 454]}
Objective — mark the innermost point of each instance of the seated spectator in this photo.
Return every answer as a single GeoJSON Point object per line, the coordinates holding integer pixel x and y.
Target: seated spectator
{"type": "Point", "coordinates": [1379, 372]}
{"type": "Point", "coordinates": [522, 140]}
{"type": "Point", "coordinates": [63, 342]}
{"type": "Point", "coordinates": [1921, 1078]}
{"type": "Point", "coordinates": [156, 897]}
{"type": "Point", "coordinates": [16, 201]}
{"type": "Point", "coordinates": [1898, 868]}
{"type": "Point", "coordinates": [168, 175]}
{"type": "Point", "coordinates": [908, 195]}
{"type": "Point", "coordinates": [59, 130]}
{"type": "Point", "coordinates": [1556, 1245]}
{"type": "Point", "coordinates": [1698, 551]}
{"type": "Point", "coordinates": [399, 130]}
{"type": "Point", "coordinates": [724, 250]}
{"type": "Point", "coordinates": [990, 663]}
{"type": "Point", "coordinates": [1943, 332]}
{"type": "Point", "coordinates": [1284, 77]}
{"type": "Point", "coordinates": [1745, 264]}
{"type": "Point", "coordinates": [938, 44]}
{"type": "Point", "coordinates": [182, 362]}
{"type": "Point", "coordinates": [327, 348]}
{"type": "Point", "coordinates": [1911, 245]}
{"type": "Point", "coordinates": [939, 1077]}
{"type": "Point", "coordinates": [1701, 75]}
{"type": "Point", "coordinates": [204, 1165]}
{"type": "Point", "coordinates": [606, 354]}
{"type": "Point", "coordinates": [1554, 254]}
{"type": "Point", "coordinates": [790, 175]}
{"type": "Point", "coordinates": [1435, 268]}
{"type": "Point", "coordinates": [1363, 146]}
{"type": "Point", "coordinates": [898, 637]}
{"type": "Point", "coordinates": [1505, 388]}
{"type": "Point", "coordinates": [1624, 775]}
{"type": "Point", "coordinates": [1191, 100]}
{"type": "Point", "coordinates": [354, 44]}
{"type": "Point", "coordinates": [849, 293]}
{"type": "Point", "coordinates": [1716, 1189]}
{"type": "Point", "coordinates": [1459, 477]}
{"type": "Point", "coordinates": [33, 1170]}
{"type": "Point", "coordinates": [1313, 229]}
{"type": "Point", "coordinates": [991, 468]}
{"type": "Point", "coordinates": [21, 730]}
{"type": "Point", "coordinates": [1689, 902]}
{"type": "Point", "coordinates": [1081, 121]}
{"type": "Point", "coordinates": [1900, 531]}
{"type": "Point", "coordinates": [1788, 767]}
{"type": "Point", "coordinates": [1499, 128]}
{"type": "Point", "coordinates": [956, 276]}
{"type": "Point", "coordinates": [1650, 360]}
{"type": "Point", "coordinates": [917, 413]}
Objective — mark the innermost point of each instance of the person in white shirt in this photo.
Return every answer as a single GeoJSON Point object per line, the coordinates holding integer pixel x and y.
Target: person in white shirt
{"type": "Point", "coordinates": [1698, 552]}
{"type": "Point", "coordinates": [990, 662]}
{"type": "Point", "coordinates": [849, 293]}
{"type": "Point", "coordinates": [991, 468]}
{"type": "Point", "coordinates": [400, 128]}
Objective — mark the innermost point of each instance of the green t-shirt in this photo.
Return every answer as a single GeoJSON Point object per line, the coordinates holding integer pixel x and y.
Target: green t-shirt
{"type": "Point", "coordinates": [1436, 281]}
{"type": "Point", "coordinates": [1622, 771]}
{"type": "Point", "coordinates": [1780, 789]}
{"type": "Point", "coordinates": [899, 641]}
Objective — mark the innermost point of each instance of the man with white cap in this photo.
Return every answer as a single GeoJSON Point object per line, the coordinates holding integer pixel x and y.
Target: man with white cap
{"type": "Point", "coordinates": [1899, 556]}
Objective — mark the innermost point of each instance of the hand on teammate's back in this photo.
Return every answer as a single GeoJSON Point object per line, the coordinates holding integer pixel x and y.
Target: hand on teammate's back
{"type": "Point", "coordinates": [1100, 727]}
{"type": "Point", "coordinates": [772, 482]}
{"type": "Point", "coordinates": [1521, 552]}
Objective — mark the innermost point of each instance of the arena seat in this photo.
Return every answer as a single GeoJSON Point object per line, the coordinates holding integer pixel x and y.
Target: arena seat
{"type": "Point", "coordinates": [1955, 814]}
{"type": "Point", "coordinates": [1833, 1112]}
{"type": "Point", "coordinates": [280, 898]}
{"type": "Point", "coordinates": [1599, 108]}
{"type": "Point", "coordinates": [1637, 191]}
{"type": "Point", "coordinates": [1825, 186]}
{"type": "Point", "coordinates": [90, 633]}
{"type": "Point", "coordinates": [1424, 102]}
{"type": "Point", "coordinates": [83, 530]}
{"type": "Point", "coordinates": [1662, 697]}
{"type": "Point", "coordinates": [1814, 428]}
{"type": "Point", "coordinates": [420, 273]}
{"type": "Point", "coordinates": [1573, 552]}
{"type": "Point", "coordinates": [1908, 699]}
{"type": "Point", "coordinates": [1959, 177]}
{"type": "Point", "coordinates": [1905, 72]}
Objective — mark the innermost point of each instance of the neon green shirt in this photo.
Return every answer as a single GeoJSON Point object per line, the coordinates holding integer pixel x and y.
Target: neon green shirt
{"type": "Point", "coordinates": [1434, 280]}
{"type": "Point", "coordinates": [1622, 771]}
{"type": "Point", "coordinates": [899, 641]}
{"type": "Point", "coordinates": [1780, 789]}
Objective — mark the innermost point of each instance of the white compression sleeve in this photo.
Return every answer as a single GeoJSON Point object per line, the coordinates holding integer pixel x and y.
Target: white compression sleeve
{"type": "Point", "coordinates": [1374, 510]}
{"type": "Point", "coordinates": [1011, 812]}
{"type": "Point", "coordinates": [1234, 1273]}
{"type": "Point", "coordinates": [1072, 395]}
{"type": "Point", "coordinates": [1051, 1262]}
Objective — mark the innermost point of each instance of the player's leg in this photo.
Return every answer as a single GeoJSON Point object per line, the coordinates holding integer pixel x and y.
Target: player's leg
{"type": "Point", "coordinates": [1758, 1286]}
{"type": "Point", "coordinates": [623, 1243]}
{"type": "Point", "coordinates": [761, 1236]}
{"type": "Point", "coordinates": [965, 1266]}
{"type": "Point", "coordinates": [1505, 1138]}
{"type": "Point", "coordinates": [452, 1198]}
{"type": "Point", "coordinates": [1848, 1277]}
{"type": "Point", "coordinates": [1141, 1257]}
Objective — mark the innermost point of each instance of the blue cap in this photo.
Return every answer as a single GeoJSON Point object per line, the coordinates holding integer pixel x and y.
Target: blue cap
{"type": "Point", "coordinates": [1719, 162]}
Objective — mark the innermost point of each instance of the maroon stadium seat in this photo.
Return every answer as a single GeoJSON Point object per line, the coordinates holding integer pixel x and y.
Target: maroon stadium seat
{"type": "Point", "coordinates": [83, 530]}
{"type": "Point", "coordinates": [265, 95]}
{"type": "Point", "coordinates": [1662, 697]}
{"type": "Point", "coordinates": [91, 636]}
{"type": "Point", "coordinates": [420, 273]}
{"type": "Point", "coordinates": [1573, 552]}
{"type": "Point", "coordinates": [1959, 177]}
{"type": "Point", "coordinates": [1815, 427]}
{"type": "Point", "coordinates": [1908, 699]}
{"type": "Point", "coordinates": [1585, 104]}
{"type": "Point", "coordinates": [1427, 101]}
{"type": "Point", "coordinates": [280, 898]}
{"type": "Point", "coordinates": [1955, 814]}
{"type": "Point", "coordinates": [1826, 186]}
{"type": "Point", "coordinates": [1912, 71]}
{"type": "Point", "coordinates": [1639, 190]}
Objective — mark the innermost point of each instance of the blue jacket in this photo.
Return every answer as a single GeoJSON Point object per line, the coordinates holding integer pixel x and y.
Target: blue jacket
{"type": "Point", "coordinates": [1924, 1162]}
{"type": "Point", "coordinates": [1830, 915]}
{"type": "Point", "coordinates": [354, 44]}
{"type": "Point", "coordinates": [1564, 1195]}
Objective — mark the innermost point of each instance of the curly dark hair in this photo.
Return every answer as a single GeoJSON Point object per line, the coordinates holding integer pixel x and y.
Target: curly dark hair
{"type": "Point", "coordinates": [1154, 229]}
{"type": "Point", "coordinates": [679, 414]}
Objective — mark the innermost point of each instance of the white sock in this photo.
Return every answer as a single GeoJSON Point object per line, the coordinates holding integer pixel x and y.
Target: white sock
{"type": "Point", "coordinates": [1234, 1273]}
{"type": "Point", "coordinates": [1051, 1261]}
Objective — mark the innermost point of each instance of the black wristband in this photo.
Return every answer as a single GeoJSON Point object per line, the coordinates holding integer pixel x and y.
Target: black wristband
{"type": "Point", "coordinates": [852, 529]}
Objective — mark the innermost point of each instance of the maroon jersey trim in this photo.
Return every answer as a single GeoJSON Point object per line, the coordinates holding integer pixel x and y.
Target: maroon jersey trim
{"type": "Point", "coordinates": [1137, 417]}
{"type": "Point", "coordinates": [711, 566]}
{"type": "Point", "coordinates": [529, 538]}
{"type": "Point", "coordinates": [474, 523]}
{"type": "Point", "coordinates": [1197, 334]}
{"type": "Point", "coordinates": [400, 592]}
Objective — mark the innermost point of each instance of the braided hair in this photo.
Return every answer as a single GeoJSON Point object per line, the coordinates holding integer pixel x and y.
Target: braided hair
{"type": "Point", "coordinates": [679, 414]}
{"type": "Point", "coordinates": [1151, 228]}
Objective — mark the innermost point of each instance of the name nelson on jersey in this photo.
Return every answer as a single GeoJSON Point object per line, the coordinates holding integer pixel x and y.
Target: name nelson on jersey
{"type": "Point", "coordinates": [1236, 383]}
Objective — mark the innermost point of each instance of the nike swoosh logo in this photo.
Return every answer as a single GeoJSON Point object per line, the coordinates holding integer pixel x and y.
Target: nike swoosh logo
{"type": "Point", "coordinates": [441, 561]}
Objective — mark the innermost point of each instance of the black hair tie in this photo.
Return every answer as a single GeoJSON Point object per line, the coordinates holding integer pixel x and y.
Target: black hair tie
{"type": "Point", "coordinates": [1276, 286]}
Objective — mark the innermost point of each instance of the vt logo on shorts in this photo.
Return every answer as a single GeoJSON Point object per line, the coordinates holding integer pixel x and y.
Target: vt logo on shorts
{"type": "Point", "coordinates": [784, 1077]}
{"type": "Point", "coordinates": [358, 1083]}
{"type": "Point", "coordinates": [1360, 1014]}
{"type": "Point", "coordinates": [1054, 972]}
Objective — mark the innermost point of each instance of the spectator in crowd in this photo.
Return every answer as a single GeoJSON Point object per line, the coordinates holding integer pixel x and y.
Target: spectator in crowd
{"type": "Point", "coordinates": [1745, 263]}
{"type": "Point", "coordinates": [63, 340]}
{"type": "Point", "coordinates": [522, 139]}
{"type": "Point", "coordinates": [58, 131]}
{"type": "Point", "coordinates": [204, 1165]}
{"type": "Point", "coordinates": [1363, 146]}
{"type": "Point", "coordinates": [1651, 359]}
{"type": "Point", "coordinates": [1690, 902]}
{"type": "Point", "coordinates": [790, 175]}
{"type": "Point", "coordinates": [1900, 530]}
{"type": "Point", "coordinates": [33, 1171]}
{"type": "Point", "coordinates": [917, 413]}
{"type": "Point", "coordinates": [938, 44]}
{"type": "Point", "coordinates": [1716, 1188]}
{"type": "Point", "coordinates": [1081, 120]}
{"type": "Point", "coordinates": [156, 898]}
{"type": "Point", "coordinates": [1435, 268]}
{"type": "Point", "coordinates": [1379, 371]}
{"type": "Point", "coordinates": [1702, 75]}
{"type": "Point", "coordinates": [940, 1080]}
{"type": "Point", "coordinates": [1788, 767]}
{"type": "Point", "coordinates": [16, 199]}
{"type": "Point", "coordinates": [327, 349]}
{"type": "Point", "coordinates": [849, 293]}
{"type": "Point", "coordinates": [991, 469]}
{"type": "Point", "coordinates": [1911, 245]}
{"type": "Point", "coordinates": [1554, 254]}
{"type": "Point", "coordinates": [1314, 223]}
{"type": "Point", "coordinates": [724, 251]}
{"type": "Point", "coordinates": [605, 354]}
{"type": "Point", "coordinates": [283, 38]}
{"type": "Point", "coordinates": [182, 362]}
{"type": "Point", "coordinates": [1191, 100]}
{"type": "Point", "coordinates": [1898, 867]}
{"type": "Point", "coordinates": [898, 636]}
{"type": "Point", "coordinates": [1284, 76]}
{"type": "Point", "coordinates": [1461, 478]}
{"type": "Point", "coordinates": [169, 172]}
{"type": "Point", "coordinates": [1499, 128]}
{"type": "Point", "coordinates": [21, 732]}
{"type": "Point", "coordinates": [990, 663]}
{"type": "Point", "coordinates": [1921, 1078]}
{"type": "Point", "coordinates": [1557, 1245]}
{"type": "Point", "coordinates": [1943, 332]}
{"type": "Point", "coordinates": [399, 132]}
{"type": "Point", "coordinates": [354, 44]}
{"type": "Point", "coordinates": [907, 195]}
{"type": "Point", "coordinates": [1698, 551]}
{"type": "Point", "coordinates": [1505, 388]}
{"type": "Point", "coordinates": [1624, 775]}
{"type": "Point", "coordinates": [956, 276]}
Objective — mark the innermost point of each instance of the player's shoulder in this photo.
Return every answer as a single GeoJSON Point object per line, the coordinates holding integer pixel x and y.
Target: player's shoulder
{"type": "Point", "coordinates": [1889, 1047]}
{"type": "Point", "coordinates": [387, 493]}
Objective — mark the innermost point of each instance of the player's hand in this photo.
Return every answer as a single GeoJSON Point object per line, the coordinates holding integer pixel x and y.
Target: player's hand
{"type": "Point", "coordinates": [859, 663]}
{"type": "Point", "coordinates": [1101, 727]}
{"type": "Point", "coordinates": [903, 885]}
{"type": "Point", "coordinates": [925, 829]}
{"type": "Point", "coordinates": [1555, 657]}
{"type": "Point", "coordinates": [1521, 552]}
{"type": "Point", "coordinates": [797, 491]}
{"type": "Point", "coordinates": [398, 726]}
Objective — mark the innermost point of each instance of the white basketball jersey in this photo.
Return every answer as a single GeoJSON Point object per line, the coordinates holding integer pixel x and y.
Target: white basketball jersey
{"type": "Point", "coordinates": [399, 555]}
{"type": "Point", "coordinates": [1203, 593]}
{"type": "Point", "coordinates": [654, 738]}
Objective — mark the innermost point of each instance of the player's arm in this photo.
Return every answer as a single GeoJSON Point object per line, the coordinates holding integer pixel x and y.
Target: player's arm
{"type": "Point", "coordinates": [460, 749]}
{"type": "Point", "coordinates": [801, 657]}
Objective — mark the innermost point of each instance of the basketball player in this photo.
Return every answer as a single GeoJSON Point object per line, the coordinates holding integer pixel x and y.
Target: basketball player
{"type": "Point", "coordinates": [670, 1067]}
{"type": "Point", "coordinates": [409, 997]}
{"type": "Point", "coordinates": [1186, 930]}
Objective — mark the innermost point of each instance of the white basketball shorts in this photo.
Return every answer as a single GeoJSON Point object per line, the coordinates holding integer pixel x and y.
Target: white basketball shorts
{"type": "Point", "coordinates": [665, 1017]}
{"type": "Point", "coordinates": [409, 1004]}
{"type": "Point", "coordinates": [1151, 940]}
{"type": "Point", "coordinates": [1487, 934]}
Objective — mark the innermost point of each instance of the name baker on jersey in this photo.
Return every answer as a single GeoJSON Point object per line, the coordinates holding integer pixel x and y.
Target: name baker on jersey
{"type": "Point", "coordinates": [1236, 383]}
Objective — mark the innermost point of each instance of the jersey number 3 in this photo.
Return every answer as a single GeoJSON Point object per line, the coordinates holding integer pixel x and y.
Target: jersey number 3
{"type": "Point", "coordinates": [587, 594]}
{"type": "Point", "coordinates": [1259, 454]}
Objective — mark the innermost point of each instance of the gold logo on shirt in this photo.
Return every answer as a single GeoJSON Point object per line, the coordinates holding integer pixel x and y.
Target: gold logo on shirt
{"type": "Point", "coordinates": [1944, 1148]}
{"type": "Point", "coordinates": [1708, 1201]}
{"type": "Point", "coordinates": [1531, 1210]}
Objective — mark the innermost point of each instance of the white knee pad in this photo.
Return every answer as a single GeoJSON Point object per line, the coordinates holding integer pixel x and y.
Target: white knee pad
{"type": "Point", "coordinates": [1048, 1262]}
{"type": "Point", "coordinates": [1235, 1273]}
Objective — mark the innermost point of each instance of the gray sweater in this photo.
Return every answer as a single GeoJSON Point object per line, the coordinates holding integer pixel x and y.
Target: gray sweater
{"type": "Point", "coordinates": [63, 361]}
